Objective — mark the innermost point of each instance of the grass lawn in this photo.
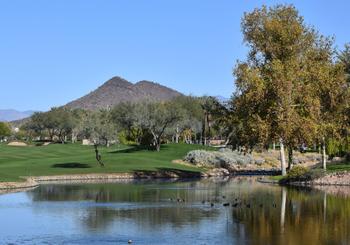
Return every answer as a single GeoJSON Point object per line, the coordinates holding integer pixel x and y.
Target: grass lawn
{"type": "Point", "coordinates": [276, 177]}
{"type": "Point", "coordinates": [58, 159]}
{"type": "Point", "coordinates": [338, 167]}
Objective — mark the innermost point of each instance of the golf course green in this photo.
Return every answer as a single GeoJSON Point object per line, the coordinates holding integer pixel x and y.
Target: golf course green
{"type": "Point", "coordinates": [61, 159]}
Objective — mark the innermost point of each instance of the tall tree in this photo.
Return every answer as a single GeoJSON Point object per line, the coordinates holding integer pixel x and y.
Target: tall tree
{"type": "Point", "coordinates": [332, 88]}
{"type": "Point", "coordinates": [344, 58]}
{"type": "Point", "coordinates": [156, 117]}
{"type": "Point", "coordinates": [5, 130]}
{"type": "Point", "coordinates": [276, 98]}
{"type": "Point", "coordinates": [191, 116]}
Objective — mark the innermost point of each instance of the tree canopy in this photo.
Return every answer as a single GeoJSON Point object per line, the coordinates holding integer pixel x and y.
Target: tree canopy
{"type": "Point", "coordinates": [289, 87]}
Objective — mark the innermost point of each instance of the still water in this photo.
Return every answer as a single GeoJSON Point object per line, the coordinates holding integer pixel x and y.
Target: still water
{"type": "Point", "coordinates": [175, 212]}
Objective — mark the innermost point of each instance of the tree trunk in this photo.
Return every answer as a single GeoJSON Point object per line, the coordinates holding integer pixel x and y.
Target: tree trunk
{"type": "Point", "coordinates": [98, 156]}
{"type": "Point", "coordinates": [274, 146]}
{"type": "Point", "coordinates": [204, 130]}
{"type": "Point", "coordinates": [158, 144]}
{"type": "Point", "coordinates": [324, 160]}
{"type": "Point", "coordinates": [290, 158]}
{"type": "Point", "coordinates": [177, 135]}
{"type": "Point", "coordinates": [208, 122]}
{"type": "Point", "coordinates": [283, 158]}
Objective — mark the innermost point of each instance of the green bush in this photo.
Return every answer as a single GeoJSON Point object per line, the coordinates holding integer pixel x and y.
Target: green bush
{"type": "Point", "coordinates": [124, 139]}
{"type": "Point", "coordinates": [297, 172]}
{"type": "Point", "coordinates": [301, 173]}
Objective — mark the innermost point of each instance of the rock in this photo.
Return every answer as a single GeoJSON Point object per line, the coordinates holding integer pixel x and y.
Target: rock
{"type": "Point", "coordinates": [259, 161]}
{"type": "Point", "coordinates": [217, 172]}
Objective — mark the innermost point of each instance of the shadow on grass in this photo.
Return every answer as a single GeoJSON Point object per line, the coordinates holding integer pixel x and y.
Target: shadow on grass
{"type": "Point", "coordinates": [137, 148]}
{"type": "Point", "coordinates": [71, 165]}
{"type": "Point", "coordinates": [166, 173]}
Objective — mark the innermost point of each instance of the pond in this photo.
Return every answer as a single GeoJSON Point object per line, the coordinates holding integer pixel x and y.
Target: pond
{"type": "Point", "coordinates": [175, 212]}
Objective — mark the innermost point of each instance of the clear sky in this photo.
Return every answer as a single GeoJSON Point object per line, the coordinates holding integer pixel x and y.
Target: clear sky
{"type": "Point", "coordinates": [52, 52]}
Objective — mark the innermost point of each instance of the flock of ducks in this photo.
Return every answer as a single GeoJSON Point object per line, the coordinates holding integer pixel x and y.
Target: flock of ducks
{"type": "Point", "coordinates": [238, 203]}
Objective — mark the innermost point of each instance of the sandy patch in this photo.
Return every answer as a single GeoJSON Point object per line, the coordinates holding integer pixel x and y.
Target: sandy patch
{"type": "Point", "coordinates": [17, 143]}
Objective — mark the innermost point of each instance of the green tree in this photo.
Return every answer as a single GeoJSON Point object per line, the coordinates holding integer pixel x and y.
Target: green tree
{"type": "Point", "coordinates": [157, 117]}
{"type": "Point", "coordinates": [191, 114]}
{"type": "Point", "coordinates": [36, 125]}
{"type": "Point", "coordinates": [344, 58]}
{"type": "Point", "coordinates": [277, 97]}
{"type": "Point", "coordinates": [124, 115]}
{"type": "Point", "coordinates": [5, 130]}
{"type": "Point", "coordinates": [333, 91]}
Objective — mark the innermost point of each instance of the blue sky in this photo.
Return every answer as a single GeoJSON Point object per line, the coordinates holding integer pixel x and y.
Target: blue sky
{"type": "Point", "coordinates": [52, 52]}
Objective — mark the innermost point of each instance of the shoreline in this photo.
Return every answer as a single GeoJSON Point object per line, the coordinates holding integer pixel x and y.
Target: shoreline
{"type": "Point", "coordinates": [330, 179]}
{"type": "Point", "coordinates": [35, 181]}
{"type": "Point", "coordinates": [334, 179]}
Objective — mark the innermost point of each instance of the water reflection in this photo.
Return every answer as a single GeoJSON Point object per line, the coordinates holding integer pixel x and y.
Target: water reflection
{"type": "Point", "coordinates": [176, 212]}
{"type": "Point", "coordinates": [306, 217]}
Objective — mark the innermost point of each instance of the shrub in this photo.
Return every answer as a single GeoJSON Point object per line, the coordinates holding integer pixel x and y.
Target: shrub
{"type": "Point", "coordinates": [217, 159]}
{"type": "Point", "coordinates": [123, 139]}
{"type": "Point", "coordinates": [301, 173]}
{"type": "Point", "coordinates": [296, 174]}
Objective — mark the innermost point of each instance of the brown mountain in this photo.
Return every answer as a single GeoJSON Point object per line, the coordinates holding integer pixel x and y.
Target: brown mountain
{"type": "Point", "coordinates": [118, 90]}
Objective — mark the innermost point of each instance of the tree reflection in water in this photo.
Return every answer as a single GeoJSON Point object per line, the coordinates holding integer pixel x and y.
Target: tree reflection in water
{"type": "Point", "coordinates": [264, 214]}
{"type": "Point", "coordinates": [302, 216]}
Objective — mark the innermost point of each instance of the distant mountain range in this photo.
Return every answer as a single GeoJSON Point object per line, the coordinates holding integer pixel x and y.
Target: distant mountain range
{"type": "Point", "coordinates": [12, 115]}
{"type": "Point", "coordinates": [109, 94]}
{"type": "Point", "coordinates": [118, 90]}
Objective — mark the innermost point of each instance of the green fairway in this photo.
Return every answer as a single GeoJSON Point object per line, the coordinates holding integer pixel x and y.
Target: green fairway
{"type": "Point", "coordinates": [338, 167]}
{"type": "Point", "coordinates": [58, 159]}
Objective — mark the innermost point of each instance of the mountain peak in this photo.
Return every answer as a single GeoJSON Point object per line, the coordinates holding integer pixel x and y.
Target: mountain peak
{"type": "Point", "coordinates": [117, 81]}
{"type": "Point", "coordinates": [145, 82]}
{"type": "Point", "coordinates": [117, 90]}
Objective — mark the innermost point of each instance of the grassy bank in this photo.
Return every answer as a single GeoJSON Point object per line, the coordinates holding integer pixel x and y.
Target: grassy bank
{"type": "Point", "coordinates": [338, 167]}
{"type": "Point", "coordinates": [313, 173]}
{"type": "Point", "coordinates": [56, 159]}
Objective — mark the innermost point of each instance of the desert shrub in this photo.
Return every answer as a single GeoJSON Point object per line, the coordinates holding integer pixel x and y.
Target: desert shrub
{"type": "Point", "coordinates": [217, 159]}
{"type": "Point", "coordinates": [200, 157]}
